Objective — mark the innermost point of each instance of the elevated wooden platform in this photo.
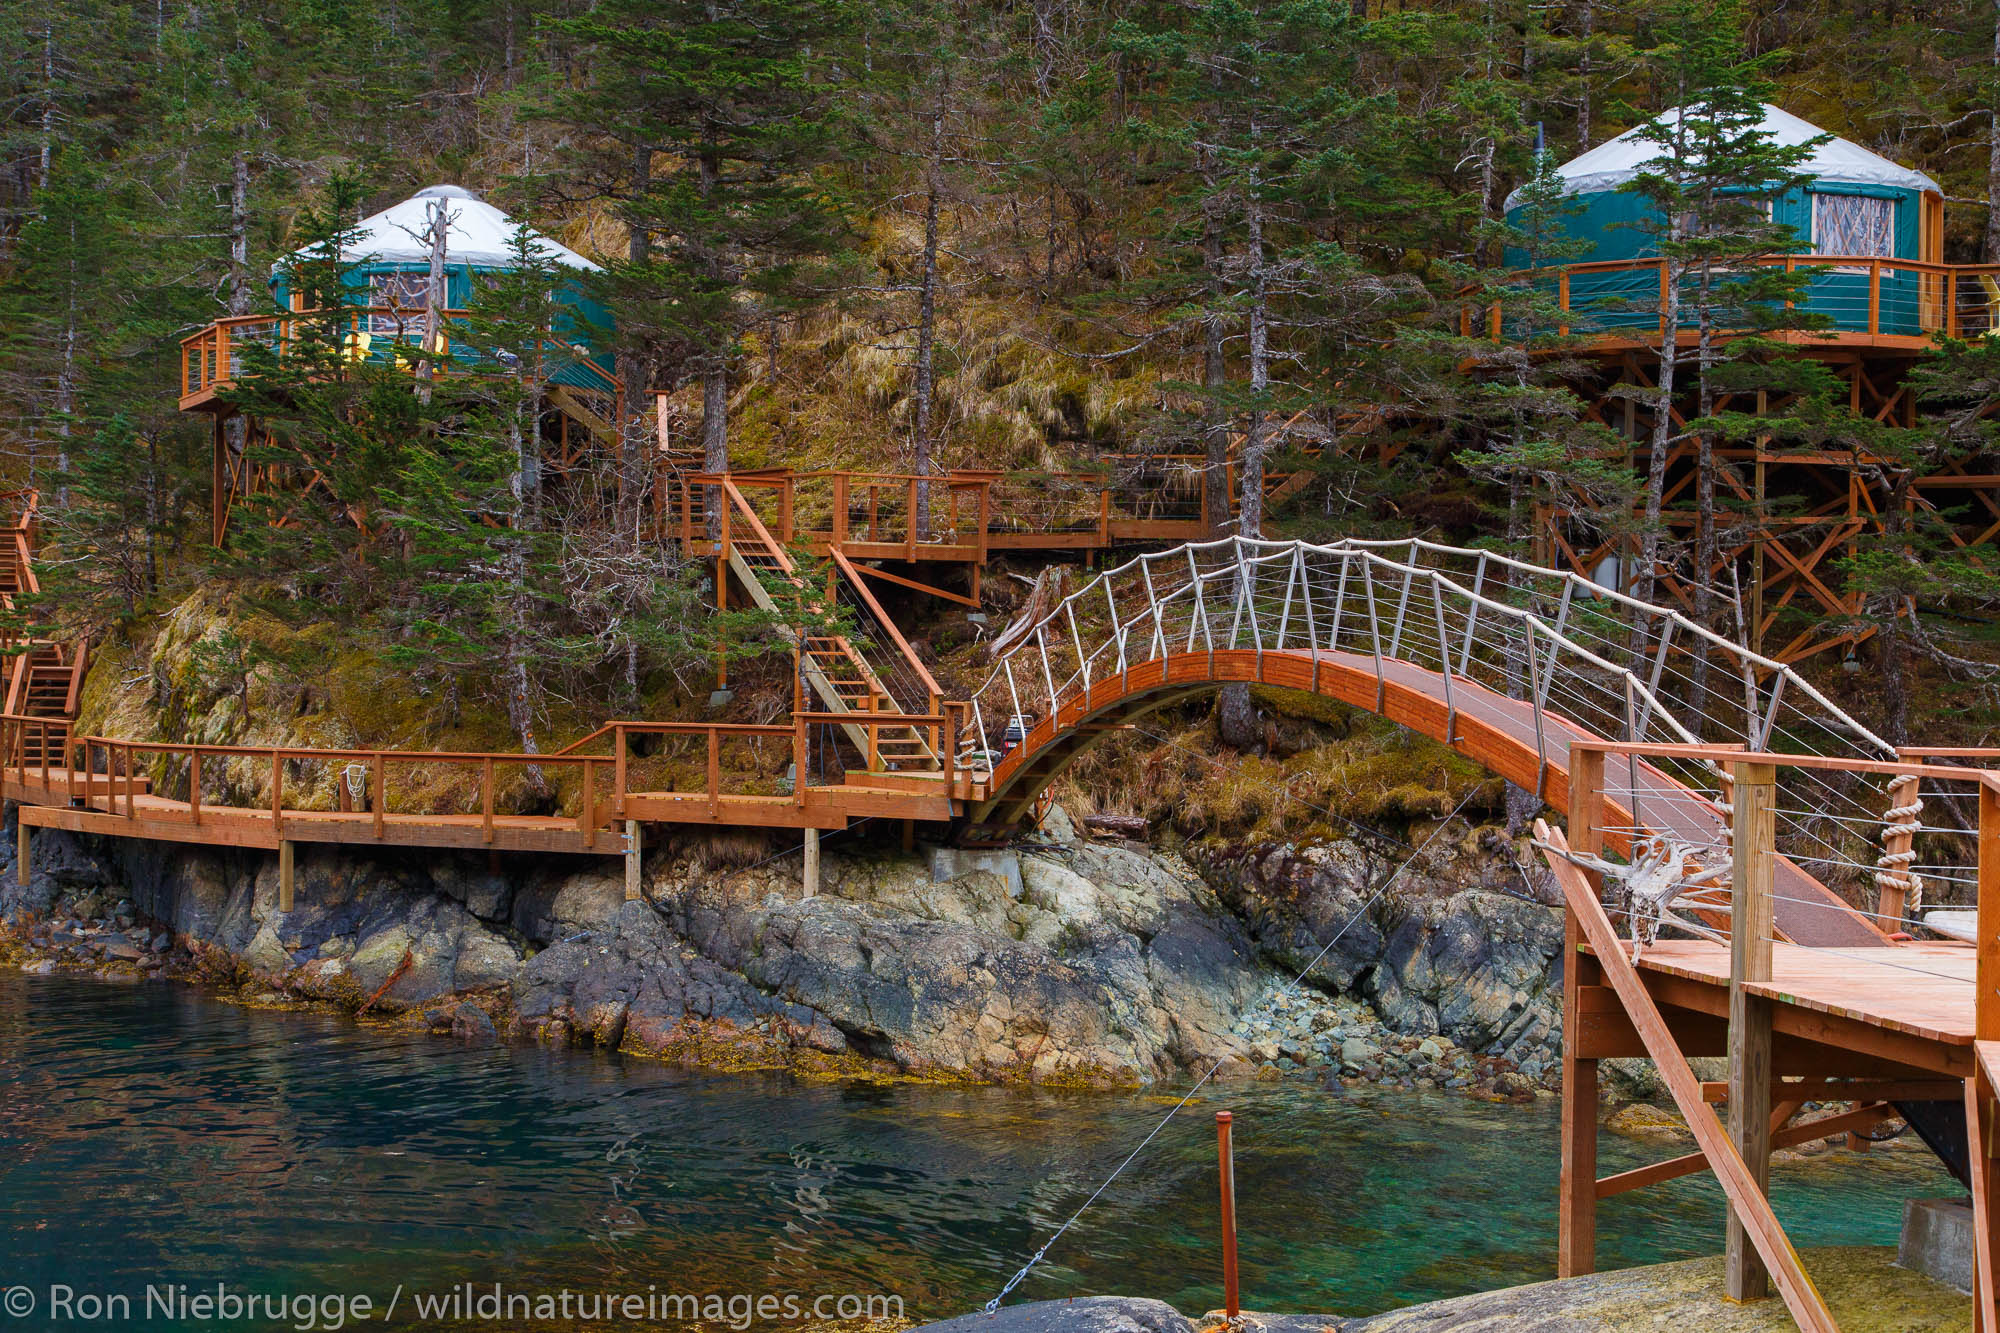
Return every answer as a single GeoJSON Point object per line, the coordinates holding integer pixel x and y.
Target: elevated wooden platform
{"type": "Point", "coordinates": [1905, 1029]}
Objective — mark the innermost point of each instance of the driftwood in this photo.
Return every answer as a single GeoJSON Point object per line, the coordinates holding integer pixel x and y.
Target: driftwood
{"type": "Point", "coordinates": [1048, 590]}
{"type": "Point", "coordinates": [1124, 826]}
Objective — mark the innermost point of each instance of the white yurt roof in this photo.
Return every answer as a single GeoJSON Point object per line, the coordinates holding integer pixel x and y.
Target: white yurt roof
{"type": "Point", "coordinates": [477, 234]}
{"type": "Point", "coordinates": [1618, 160]}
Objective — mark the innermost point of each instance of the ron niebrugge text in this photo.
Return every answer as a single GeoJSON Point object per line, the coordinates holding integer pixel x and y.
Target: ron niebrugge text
{"type": "Point", "coordinates": [467, 1303]}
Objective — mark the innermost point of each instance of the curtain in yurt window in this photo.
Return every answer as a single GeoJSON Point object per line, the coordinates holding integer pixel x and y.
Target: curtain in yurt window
{"type": "Point", "coordinates": [1853, 224]}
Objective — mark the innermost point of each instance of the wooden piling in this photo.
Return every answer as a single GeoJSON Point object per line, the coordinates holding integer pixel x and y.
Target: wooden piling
{"type": "Point", "coordinates": [810, 878]}
{"type": "Point", "coordinates": [632, 860]}
{"type": "Point", "coordinates": [286, 866]}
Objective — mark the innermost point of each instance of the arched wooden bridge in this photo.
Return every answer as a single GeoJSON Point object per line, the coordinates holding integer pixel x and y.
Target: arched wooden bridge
{"type": "Point", "coordinates": [1507, 663]}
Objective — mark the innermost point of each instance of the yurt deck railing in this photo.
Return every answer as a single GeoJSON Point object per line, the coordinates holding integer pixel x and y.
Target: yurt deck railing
{"type": "Point", "coordinates": [1851, 294]}
{"type": "Point", "coordinates": [213, 357]}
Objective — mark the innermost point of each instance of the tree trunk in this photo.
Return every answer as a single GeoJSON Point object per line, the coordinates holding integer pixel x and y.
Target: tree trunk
{"type": "Point", "coordinates": [634, 368]}
{"type": "Point", "coordinates": [1214, 419]}
{"type": "Point", "coordinates": [48, 145]}
{"type": "Point", "coordinates": [1644, 578]}
{"type": "Point", "coordinates": [1250, 505]}
{"type": "Point", "coordinates": [1587, 29]}
{"type": "Point", "coordinates": [1993, 153]}
{"type": "Point", "coordinates": [524, 487]}
{"type": "Point", "coordinates": [241, 292]}
{"type": "Point", "coordinates": [1706, 544]}
{"type": "Point", "coordinates": [438, 230]}
{"type": "Point", "coordinates": [927, 315]}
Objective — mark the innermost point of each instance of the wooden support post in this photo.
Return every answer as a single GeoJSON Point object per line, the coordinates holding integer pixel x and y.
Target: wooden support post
{"type": "Point", "coordinates": [909, 836]}
{"type": "Point", "coordinates": [810, 877]}
{"type": "Point", "coordinates": [1979, 1089]}
{"type": "Point", "coordinates": [1750, 935]}
{"type": "Point", "coordinates": [1576, 1244]}
{"type": "Point", "coordinates": [20, 848]}
{"type": "Point", "coordinates": [632, 860]}
{"type": "Point", "coordinates": [286, 866]}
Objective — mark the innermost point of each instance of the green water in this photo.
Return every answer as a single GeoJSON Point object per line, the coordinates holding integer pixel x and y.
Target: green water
{"type": "Point", "coordinates": [151, 1135]}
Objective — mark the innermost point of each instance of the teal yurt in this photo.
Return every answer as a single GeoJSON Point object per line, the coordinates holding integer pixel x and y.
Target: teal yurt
{"type": "Point", "coordinates": [391, 273]}
{"type": "Point", "coordinates": [1856, 205]}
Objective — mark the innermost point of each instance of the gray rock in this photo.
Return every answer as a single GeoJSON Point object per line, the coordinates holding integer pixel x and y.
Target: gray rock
{"type": "Point", "coordinates": [471, 1023]}
{"type": "Point", "coordinates": [1085, 1314]}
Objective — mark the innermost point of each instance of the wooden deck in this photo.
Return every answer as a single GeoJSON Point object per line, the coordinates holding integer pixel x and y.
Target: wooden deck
{"type": "Point", "coordinates": [1922, 988]}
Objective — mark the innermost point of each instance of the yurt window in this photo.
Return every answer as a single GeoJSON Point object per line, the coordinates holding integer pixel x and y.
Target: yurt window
{"type": "Point", "coordinates": [406, 294]}
{"type": "Point", "coordinates": [1853, 224]}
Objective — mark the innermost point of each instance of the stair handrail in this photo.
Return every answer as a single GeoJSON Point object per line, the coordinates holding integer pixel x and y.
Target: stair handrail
{"type": "Point", "coordinates": [17, 678]}
{"type": "Point", "coordinates": [78, 665]}
{"type": "Point", "coordinates": [853, 576]}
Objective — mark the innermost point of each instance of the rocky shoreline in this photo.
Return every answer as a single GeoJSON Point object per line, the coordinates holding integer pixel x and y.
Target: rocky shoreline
{"type": "Point", "coordinates": [1069, 961]}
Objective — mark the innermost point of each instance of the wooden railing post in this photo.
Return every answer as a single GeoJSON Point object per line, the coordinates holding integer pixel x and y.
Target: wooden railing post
{"type": "Point", "coordinates": [378, 782]}
{"type": "Point", "coordinates": [714, 771]}
{"type": "Point", "coordinates": [839, 509]}
{"type": "Point", "coordinates": [1874, 296]}
{"type": "Point", "coordinates": [948, 752]}
{"type": "Point", "coordinates": [1576, 1221]}
{"type": "Point", "coordinates": [1663, 297]}
{"type": "Point", "coordinates": [910, 519]}
{"type": "Point", "coordinates": [486, 798]}
{"type": "Point", "coordinates": [618, 751]}
{"type": "Point", "coordinates": [277, 792]}
{"type": "Point", "coordinates": [1562, 302]}
{"type": "Point", "coordinates": [799, 746]}
{"type": "Point", "coordinates": [1951, 303]}
{"type": "Point", "coordinates": [1751, 925]}
{"type": "Point", "coordinates": [194, 785]}
{"type": "Point", "coordinates": [1895, 879]}
{"type": "Point", "coordinates": [1986, 1009]}
{"type": "Point", "coordinates": [586, 805]}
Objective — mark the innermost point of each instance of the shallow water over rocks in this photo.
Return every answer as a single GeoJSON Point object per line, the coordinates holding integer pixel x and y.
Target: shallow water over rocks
{"type": "Point", "coordinates": [149, 1133]}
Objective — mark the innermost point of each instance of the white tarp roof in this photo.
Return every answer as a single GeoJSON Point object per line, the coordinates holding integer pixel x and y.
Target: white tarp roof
{"type": "Point", "coordinates": [478, 234]}
{"type": "Point", "coordinates": [1618, 160]}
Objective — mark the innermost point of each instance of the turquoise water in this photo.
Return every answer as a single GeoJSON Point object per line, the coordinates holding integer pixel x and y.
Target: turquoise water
{"type": "Point", "coordinates": [151, 1135]}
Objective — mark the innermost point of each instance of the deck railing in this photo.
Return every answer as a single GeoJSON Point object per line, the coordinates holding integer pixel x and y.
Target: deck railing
{"type": "Point", "coordinates": [882, 515]}
{"type": "Point", "coordinates": [1858, 294]}
{"type": "Point", "coordinates": [623, 769]}
{"type": "Point", "coordinates": [215, 356]}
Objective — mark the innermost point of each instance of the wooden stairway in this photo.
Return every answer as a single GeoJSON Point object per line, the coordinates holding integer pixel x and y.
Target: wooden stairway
{"type": "Point", "coordinates": [43, 678]}
{"type": "Point", "coordinates": [574, 406]}
{"type": "Point", "coordinates": [836, 669]}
